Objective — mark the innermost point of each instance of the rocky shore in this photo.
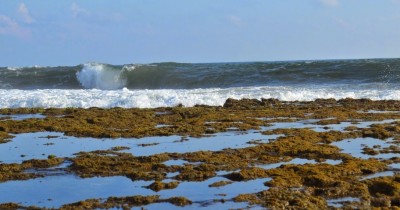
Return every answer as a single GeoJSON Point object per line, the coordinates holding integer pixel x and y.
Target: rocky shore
{"type": "Point", "coordinates": [312, 131]}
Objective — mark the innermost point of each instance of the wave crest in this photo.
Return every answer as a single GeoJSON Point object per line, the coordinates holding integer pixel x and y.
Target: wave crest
{"type": "Point", "coordinates": [103, 76]}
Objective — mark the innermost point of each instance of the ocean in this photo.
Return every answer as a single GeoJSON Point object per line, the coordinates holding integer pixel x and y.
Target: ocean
{"type": "Point", "coordinates": [171, 84]}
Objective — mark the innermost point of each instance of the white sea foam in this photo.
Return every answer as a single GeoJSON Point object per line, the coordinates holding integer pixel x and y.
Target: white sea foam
{"type": "Point", "coordinates": [37, 66]}
{"type": "Point", "coordinates": [14, 68]}
{"type": "Point", "coordinates": [129, 67]}
{"type": "Point", "coordinates": [10, 68]}
{"type": "Point", "coordinates": [101, 76]}
{"type": "Point", "coordinates": [168, 97]}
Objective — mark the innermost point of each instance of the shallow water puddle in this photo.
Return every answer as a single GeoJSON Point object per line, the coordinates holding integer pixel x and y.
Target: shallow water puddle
{"type": "Point", "coordinates": [379, 174]}
{"type": "Point", "coordinates": [163, 126]}
{"type": "Point", "coordinates": [55, 191]}
{"type": "Point", "coordinates": [369, 123]}
{"type": "Point", "coordinates": [379, 112]}
{"type": "Point", "coordinates": [355, 147]}
{"type": "Point", "coordinates": [21, 116]}
{"type": "Point", "coordinates": [332, 162]}
{"type": "Point", "coordinates": [205, 205]}
{"type": "Point", "coordinates": [200, 191]}
{"type": "Point", "coordinates": [179, 162]}
{"type": "Point", "coordinates": [297, 161]}
{"type": "Point", "coordinates": [36, 146]}
{"type": "Point", "coordinates": [42, 144]}
{"type": "Point", "coordinates": [338, 203]}
{"type": "Point", "coordinates": [296, 124]}
{"type": "Point", "coordinates": [395, 166]}
{"type": "Point", "coordinates": [175, 162]}
{"type": "Point", "coordinates": [322, 128]}
{"type": "Point", "coordinates": [52, 171]}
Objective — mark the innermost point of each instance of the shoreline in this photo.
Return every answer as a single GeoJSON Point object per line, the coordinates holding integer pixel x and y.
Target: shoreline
{"type": "Point", "coordinates": [315, 131]}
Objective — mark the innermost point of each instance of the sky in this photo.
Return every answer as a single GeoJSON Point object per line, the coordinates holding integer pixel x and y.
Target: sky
{"type": "Point", "coordinates": [57, 33]}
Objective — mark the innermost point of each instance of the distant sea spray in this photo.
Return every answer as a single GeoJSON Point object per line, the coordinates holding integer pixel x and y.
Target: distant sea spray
{"type": "Point", "coordinates": [169, 84]}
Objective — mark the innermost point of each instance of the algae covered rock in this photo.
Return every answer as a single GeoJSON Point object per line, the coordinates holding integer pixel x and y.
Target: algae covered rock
{"type": "Point", "coordinates": [247, 174]}
{"type": "Point", "coordinates": [157, 185]}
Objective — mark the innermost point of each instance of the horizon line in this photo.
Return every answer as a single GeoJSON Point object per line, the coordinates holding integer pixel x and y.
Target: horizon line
{"type": "Point", "coordinates": [212, 62]}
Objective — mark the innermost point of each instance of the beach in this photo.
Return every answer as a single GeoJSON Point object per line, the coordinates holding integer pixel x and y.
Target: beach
{"type": "Point", "coordinates": [199, 105]}
{"type": "Point", "coordinates": [277, 135]}
{"type": "Point", "coordinates": [248, 153]}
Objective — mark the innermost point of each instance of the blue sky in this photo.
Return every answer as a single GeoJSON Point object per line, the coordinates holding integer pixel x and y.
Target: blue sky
{"type": "Point", "coordinates": [48, 32]}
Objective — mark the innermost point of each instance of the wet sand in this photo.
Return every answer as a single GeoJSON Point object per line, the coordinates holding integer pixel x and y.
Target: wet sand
{"type": "Point", "coordinates": [246, 154]}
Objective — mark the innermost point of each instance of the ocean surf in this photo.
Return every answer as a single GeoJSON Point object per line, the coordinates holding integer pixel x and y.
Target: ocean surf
{"type": "Point", "coordinates": [171, 84]}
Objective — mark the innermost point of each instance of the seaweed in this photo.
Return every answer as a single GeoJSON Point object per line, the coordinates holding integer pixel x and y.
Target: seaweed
{"type": "Point", "coordinates": [291, 186]}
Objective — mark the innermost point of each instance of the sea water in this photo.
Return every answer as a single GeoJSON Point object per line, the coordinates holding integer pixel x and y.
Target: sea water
{"type": "Point", "coordinates": [170, 84]}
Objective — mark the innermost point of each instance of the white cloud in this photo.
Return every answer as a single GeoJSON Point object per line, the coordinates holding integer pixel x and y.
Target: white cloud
{"type": "Point", "coordinates": [344, 24]}
{"type": "Point", "coordinates": [9, 26]}
{"type": "Point", "coordinates": [235, 20]}
{"type": "Point", "coordinates": [23, 14]}
{"type": "Point", "coordinates": [94, 17]}
{"type": "Point", "coordinates": [330, 3]}
{"type": "Point", "coordinates": [77, 10]}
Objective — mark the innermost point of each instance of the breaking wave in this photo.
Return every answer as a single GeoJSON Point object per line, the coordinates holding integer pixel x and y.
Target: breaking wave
{"type": "Point", "coordinates": [204, 75]}
{"type": "Point", "coordinates": [102, 76]}
{"type": "Point", "coordinates": [171, 97]}
{"type": "Point", "coordinates": [170, 84]}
